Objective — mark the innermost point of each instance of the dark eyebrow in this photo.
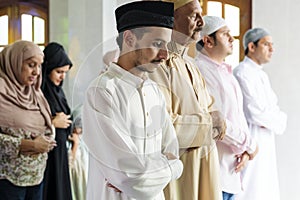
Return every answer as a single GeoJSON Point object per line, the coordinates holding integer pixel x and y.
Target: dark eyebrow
{"type": "Point", "coordinates": [161, 40]}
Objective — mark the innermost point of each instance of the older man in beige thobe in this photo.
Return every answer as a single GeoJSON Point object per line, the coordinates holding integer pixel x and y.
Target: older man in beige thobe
{"type": "Point", "coordinates": [189, 103]}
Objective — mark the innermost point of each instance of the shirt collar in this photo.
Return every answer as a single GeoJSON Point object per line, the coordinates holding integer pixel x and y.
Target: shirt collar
{"type": "Point", "coordinates": [222, 66]}
{"type": "Point", "coordinates": [254, 64]}
{"type": "Point", "coordinates": [125, 75]}
{"type": "Point", "coordinates": [177, 48]}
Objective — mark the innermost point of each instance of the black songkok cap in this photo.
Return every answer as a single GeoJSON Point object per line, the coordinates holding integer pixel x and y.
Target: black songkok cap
{"type": "Point", "coordinates": [144, 13]}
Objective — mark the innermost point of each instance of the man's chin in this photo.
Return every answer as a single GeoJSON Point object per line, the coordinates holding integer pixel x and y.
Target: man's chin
{"type": "Point", "coordinates": [155, 64]}
{"type": "Point", "coordinates": [149, 68]}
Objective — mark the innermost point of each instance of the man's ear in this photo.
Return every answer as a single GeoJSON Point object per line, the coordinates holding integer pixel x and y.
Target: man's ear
{"type": "Point", "coordinates": [208, 41]}
{"type": "Point", "coordinates": [251, 47]}
{"type": "Point", "coordinates": [129, 38]}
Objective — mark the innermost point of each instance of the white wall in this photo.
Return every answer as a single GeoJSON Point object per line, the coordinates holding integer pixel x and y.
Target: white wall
{"type": "Point", "coordinates": [280, 18]}
{"type": "Point", "coordinates": [87, 29]}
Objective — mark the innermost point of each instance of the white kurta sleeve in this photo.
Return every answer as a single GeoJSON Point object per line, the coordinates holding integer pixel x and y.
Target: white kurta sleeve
{"type": "Point", "coordinates": [238, 139]}
{"type": "Point", "coordinates": [223, 89]}
{"type": "Point", "coordinates": [170, 144]}
{"type": "Point", "coordinates": [260, 102]}
{"type": "Point", "coordinates": [138, 175]}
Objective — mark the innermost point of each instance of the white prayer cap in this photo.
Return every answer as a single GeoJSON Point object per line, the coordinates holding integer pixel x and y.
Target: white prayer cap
{"type": "Point", "coordinates": [253, 35]}
{"type": "Point", "coordinates": [212, 24]}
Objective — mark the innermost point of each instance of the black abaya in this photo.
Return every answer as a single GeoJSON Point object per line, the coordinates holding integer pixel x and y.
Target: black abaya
{"type": "Point", "coordinates": [57, 179]}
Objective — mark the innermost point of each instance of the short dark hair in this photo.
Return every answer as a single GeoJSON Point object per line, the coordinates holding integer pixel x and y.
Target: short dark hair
{"type": "Point", "coordinates": [138, 32]}
{"type": "Point", "coordinates": [200, 44]}
{"type": "Point", "coordinates": [255, 43]}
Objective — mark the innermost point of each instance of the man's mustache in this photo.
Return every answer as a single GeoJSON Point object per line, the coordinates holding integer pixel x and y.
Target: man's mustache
{"type": "Point", "coordinates": [198, 29]}
{"type": "Point", "coordinates": [156, 61]}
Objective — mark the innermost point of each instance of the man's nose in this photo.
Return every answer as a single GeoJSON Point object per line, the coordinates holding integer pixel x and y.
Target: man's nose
{"type": "Point", "coordinates": [163, 53]}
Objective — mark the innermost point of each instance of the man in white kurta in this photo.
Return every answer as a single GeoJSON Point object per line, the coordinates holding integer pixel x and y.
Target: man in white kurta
{"type": "Point", "coordinates": [131, 140]}
{"type": "Point", "coordinates": [265, 119]}
{"type": "Point", "coordinates": [127, 132]}
{"type": "Point", "coordinates": [234, 150]}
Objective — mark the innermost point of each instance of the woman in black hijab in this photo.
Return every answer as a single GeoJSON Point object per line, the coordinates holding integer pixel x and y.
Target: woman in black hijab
{"type": "Point", "coordinates": [57, 179]}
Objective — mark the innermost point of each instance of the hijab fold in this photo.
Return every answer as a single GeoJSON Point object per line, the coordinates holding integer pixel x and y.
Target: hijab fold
{"type": "Point", "coordinates": [55, 57]}
{"type": "Point", "coordinates": [21, 106]}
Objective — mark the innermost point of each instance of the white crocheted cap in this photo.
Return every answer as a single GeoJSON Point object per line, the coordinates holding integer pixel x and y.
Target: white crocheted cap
{"type": "Point", "coordinates": [212, 24]}
{"type": "Point", "coordinates": [252, 35]}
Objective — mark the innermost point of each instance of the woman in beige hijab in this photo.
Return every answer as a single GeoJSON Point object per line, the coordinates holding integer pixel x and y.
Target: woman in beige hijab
{"type": "Point", "coordinates": [25, 123]}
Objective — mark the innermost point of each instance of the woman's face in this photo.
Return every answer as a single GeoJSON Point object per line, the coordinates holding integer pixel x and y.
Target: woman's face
{"type": "Point", "coordinates": [57, 75]}
{"type": "Point", "coordinates": [31, 69]}
{"type": "Point", "coordinates": [77, 130]}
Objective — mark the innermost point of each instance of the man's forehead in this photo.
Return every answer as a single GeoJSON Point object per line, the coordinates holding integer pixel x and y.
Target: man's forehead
{"type": "Point", "coordinates": [266, 38]}
{"type": "Point", "coordinates": [158, 32]}
{"type": "Point", "coordinates": [191, 7]}
{"type": "Point", "coordinates": [224, 29]}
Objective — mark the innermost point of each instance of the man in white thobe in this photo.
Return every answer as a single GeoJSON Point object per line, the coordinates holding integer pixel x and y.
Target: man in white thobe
{"type": "Point", "coordinates": [131, 140]}
{"type": "Point", "coordinates": [264, 117]}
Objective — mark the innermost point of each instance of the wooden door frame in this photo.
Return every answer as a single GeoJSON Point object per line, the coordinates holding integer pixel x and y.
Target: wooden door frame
{"type": "Point", "coordinates": [245, 16]}
{"type": "Point", "coordinates": [15, 8]}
